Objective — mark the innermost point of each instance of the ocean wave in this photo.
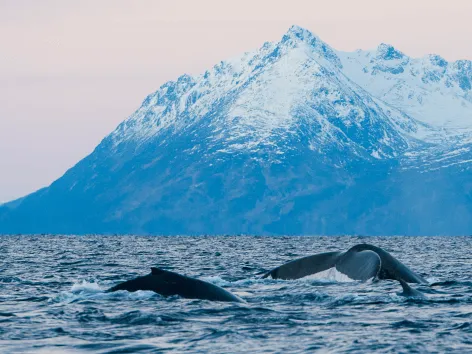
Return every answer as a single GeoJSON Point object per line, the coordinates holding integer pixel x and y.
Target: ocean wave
{"type": "Point", "coordinates": [49, 307]}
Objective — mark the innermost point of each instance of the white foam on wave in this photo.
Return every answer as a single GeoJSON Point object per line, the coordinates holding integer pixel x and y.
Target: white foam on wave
{"type": "Point", "coordinates": [242, 294]}
{"type": "Point", "coordinates": [251, 281]}
{"type": "Point", "coordinates": [79, 291]}
{"type": "Point", "coordinates": [135, 295]}
{"type": "Point", "coordinates": [432, 280]}
{"type": "Point", "coordinates": [92, 290]}
{"type": "Point", "coordinates": [216, 280]}
{"type": "Point", "coordinates": [85, 287]}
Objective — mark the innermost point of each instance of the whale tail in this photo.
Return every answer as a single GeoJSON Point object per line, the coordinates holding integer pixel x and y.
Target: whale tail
{"type": "Point", "coordinates": [408, 291]}
{"type": "Point", "coordinates": [305, 266]}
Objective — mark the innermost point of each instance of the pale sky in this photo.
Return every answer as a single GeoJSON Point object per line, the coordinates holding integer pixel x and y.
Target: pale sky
{"type": "Point", "coordinates": [72, 70]}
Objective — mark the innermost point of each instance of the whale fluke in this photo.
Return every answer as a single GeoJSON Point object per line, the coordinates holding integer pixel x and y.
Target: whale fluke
{"type": "Point", "coordinates": [360, 262]}
{"type": "Point", "coordinates": [363, 265]}
{"type": "Point", "coordinates": [303, 267]}
{"type": "Point", "coordinates": [167, 283]}
{"type": "Point", "coordinates": [391, 268]}
{"type": "Point", "coordinates": [408, 291]}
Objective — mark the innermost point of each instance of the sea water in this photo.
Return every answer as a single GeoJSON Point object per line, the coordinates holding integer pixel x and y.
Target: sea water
{"type": "Point", "coordinates": [52, 297]}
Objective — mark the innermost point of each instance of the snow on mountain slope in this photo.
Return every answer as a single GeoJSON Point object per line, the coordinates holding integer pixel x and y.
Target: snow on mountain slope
{"type": "Point", "coordinates": [267, 96]}
{"type": "Point", "coordinates": [293, 138]}
{"type": "Point", "coordinates": [429, 89]}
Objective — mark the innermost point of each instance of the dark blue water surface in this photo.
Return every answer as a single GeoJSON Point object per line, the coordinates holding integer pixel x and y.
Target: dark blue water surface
{"type": "Point", "coordinates": [52, 297]}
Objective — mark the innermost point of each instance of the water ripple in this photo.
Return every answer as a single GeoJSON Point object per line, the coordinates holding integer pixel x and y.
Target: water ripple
{"type": "Point", "coordinates": [53, 299]}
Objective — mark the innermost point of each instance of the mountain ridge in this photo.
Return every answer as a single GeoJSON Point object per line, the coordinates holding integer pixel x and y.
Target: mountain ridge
{"type": "Point", "coordinates": [293, 138]}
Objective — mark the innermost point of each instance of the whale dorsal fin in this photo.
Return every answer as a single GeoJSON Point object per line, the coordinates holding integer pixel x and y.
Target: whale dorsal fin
{"type": "Point", "coordinates": [157, 271]}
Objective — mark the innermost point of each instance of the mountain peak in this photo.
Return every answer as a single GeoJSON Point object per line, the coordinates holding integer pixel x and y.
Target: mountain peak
{"type": "Point", "coordinates": [388, 52]}
{"type": "Point", "coordinates": [292, 138]}
{"type": "Point", "coordinates": [296, 35]}
{"type": "Point", "coordinates": [301, 33]}
{"type": "Point", "coordinates": [437, 60]}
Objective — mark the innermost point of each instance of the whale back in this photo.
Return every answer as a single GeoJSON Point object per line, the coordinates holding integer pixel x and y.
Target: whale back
{"type": "Point", "coordinates": [167, 283]}
{"type": "Point", "coordinates": [303, 267]}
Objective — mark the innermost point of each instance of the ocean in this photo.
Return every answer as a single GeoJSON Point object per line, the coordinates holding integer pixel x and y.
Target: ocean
{"type": "Point", "coordinates": [53, 300]}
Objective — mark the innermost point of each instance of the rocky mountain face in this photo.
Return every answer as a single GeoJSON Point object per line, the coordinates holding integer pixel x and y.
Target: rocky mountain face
{"type": "Point", "coordinates": [294, 138]}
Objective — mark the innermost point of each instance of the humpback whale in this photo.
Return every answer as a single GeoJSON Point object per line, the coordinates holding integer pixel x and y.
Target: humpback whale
{"type": "Point", "coordinates": [168, 283]}
{"type": "Point", "coordinates": [360, 262]}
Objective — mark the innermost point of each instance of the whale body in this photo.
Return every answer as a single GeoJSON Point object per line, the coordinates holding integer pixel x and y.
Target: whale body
{"type": "Point", "coordinates": [360, 262]}
{"type": "Point", "coordinates": [168, 283]}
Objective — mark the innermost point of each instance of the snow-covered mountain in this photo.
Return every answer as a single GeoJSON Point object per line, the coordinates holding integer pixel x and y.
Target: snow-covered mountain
{"type": "Point", "coordinates": [294, 138]}
{"type": "Point", "coordinates": [429, 89]}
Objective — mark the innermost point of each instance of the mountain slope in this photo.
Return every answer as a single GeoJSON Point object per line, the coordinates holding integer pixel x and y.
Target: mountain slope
{"type": "Point", "coordinates": [429, 89]}
{"type": "Point", "coordinates": [294, 138]}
